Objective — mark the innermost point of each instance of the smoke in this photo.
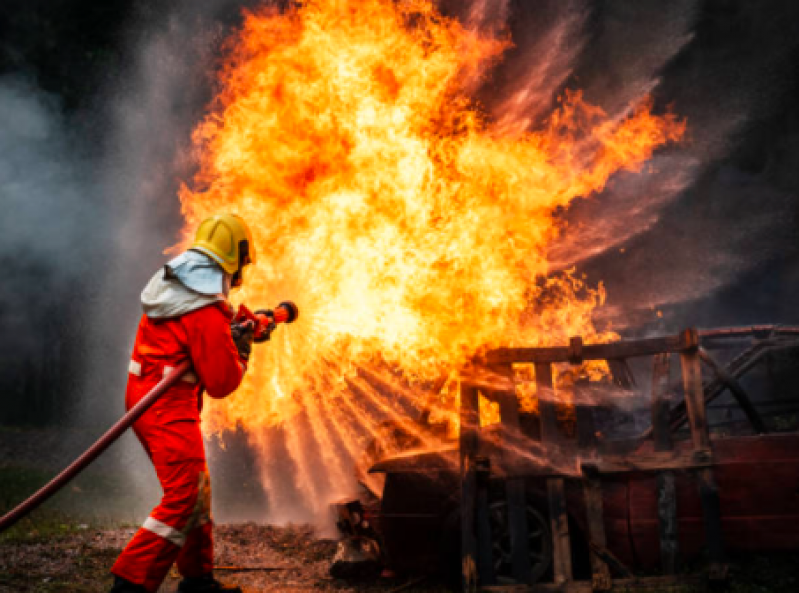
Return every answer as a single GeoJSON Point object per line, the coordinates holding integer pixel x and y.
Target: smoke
{"type": "Point", "coordinates": [152, 109]}
{"type": "Point", "coordinates": [49, 210]}
{"type": "Point", "coordinates": [88, 208]}
{"type": "Point", "coordinates": [699, 218]}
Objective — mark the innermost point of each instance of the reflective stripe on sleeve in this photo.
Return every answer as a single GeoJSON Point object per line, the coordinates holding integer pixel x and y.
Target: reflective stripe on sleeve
{"type": "Point", "coordinates": [163, 530]}
{"type": "Point", "coordinates": [188, 376]}
{"type": "Point", "coordinates": [134, 368]}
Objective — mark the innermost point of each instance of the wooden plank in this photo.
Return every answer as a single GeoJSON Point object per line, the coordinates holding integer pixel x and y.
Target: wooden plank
{"type": "Point", "coordinates": [468, 454]}
{"type": "Point", "coordinates": [739, 366]}
{"type": "Point", "coordinates": [622, 349]}
{"type": "Point", "coordinates": [697, 418]}
{"type": "Point", "coordinates": [610, 559]}
{"type": "Point", "coordinates": [711, 512]}
{"type": "Point", "coordinates": [694, 397]}
{"type": "Point", "coordinates": [546, 403]}
{"type": "Point", "coordinates": [558, 516]}
{"type": "Point", "coordinates": [667, 522]}
{"type": "Point", "coordinates": [648, 462]}
{"type": "Point", "coordinates": [485, 562]}
{"type": "Point", "coordinates": [621, 373]}
{"type": "Point", "coordinates": [666, 492]}
{"type": "Point", "coordinates": [661, 402]}
{"type": "Point", "coordinates": [592, 490]}
{"type": "Point", "coordinates": [558, 461]}
{"type": "Point", "coordinates": [514, 487]}
{"type": "Point", "coordinates": [737, 391]}
{"type": "Point", "coordinates": [559, 524]}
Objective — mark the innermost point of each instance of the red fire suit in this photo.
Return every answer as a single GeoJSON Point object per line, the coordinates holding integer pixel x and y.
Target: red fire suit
{"type": "Point", "coordinates": [179, 528]}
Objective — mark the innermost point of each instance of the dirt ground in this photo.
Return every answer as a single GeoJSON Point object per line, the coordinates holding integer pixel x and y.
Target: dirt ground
{"type": "Point", "coordinates": [258, 558]}
{"type": "Point", "coordinates": [69, 544]}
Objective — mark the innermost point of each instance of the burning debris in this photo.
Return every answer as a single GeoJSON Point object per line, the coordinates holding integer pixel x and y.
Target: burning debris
{"type": "Point", "coordinates": [568, 498]}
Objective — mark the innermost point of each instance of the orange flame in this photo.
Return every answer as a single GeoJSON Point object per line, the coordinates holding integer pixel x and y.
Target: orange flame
{"type": "Point", "coordinates": [409, 232]}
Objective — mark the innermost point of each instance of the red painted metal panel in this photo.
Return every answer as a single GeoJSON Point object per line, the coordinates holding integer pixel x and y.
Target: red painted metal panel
{"type": "Point", "coordinates": [758, 479]}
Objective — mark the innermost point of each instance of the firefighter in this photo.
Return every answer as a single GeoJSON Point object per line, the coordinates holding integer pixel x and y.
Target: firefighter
{"type": "Point", "coordinates": [186, 315]}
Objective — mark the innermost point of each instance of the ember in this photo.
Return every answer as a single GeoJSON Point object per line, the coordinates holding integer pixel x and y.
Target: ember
{"type": "Point", "coordinates": [411, 228]}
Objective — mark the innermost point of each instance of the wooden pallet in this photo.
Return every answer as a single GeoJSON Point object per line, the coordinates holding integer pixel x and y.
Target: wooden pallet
{"type": "Point", "coordinates": [664, 461]}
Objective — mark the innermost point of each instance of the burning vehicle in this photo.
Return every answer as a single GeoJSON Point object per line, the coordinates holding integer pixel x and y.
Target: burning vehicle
{"type": "Point", "coordinates": [583, 488]}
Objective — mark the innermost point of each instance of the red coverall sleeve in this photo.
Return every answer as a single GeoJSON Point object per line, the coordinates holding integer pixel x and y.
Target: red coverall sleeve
{"type": "Point", "coordinates": [213, 352]}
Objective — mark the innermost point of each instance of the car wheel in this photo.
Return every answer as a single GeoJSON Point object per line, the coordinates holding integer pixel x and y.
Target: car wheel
{"type": "Point", "coordinates": [539, 540]}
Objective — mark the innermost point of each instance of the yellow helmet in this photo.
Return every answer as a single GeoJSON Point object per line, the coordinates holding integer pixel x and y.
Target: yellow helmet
{"type": "Point", "coordinates": [227, 239]}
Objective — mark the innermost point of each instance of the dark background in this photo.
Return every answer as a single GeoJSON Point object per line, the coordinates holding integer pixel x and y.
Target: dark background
{"type": "Point", "coordinates": [725, 252]}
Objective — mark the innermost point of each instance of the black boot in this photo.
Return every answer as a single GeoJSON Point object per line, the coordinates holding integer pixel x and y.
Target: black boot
{"type": "Point", "coordinates": [205, 584]}
{"type": "Point", "coordinates": [125, 586]}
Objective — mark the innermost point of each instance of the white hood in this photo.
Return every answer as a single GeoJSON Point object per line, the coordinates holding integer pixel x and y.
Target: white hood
{"type": "Point", "coordinates": [166, 297]}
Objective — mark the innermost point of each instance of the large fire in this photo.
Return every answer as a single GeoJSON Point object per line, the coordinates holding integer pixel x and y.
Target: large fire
{"type": "Point", "coordinates": [411, 232]}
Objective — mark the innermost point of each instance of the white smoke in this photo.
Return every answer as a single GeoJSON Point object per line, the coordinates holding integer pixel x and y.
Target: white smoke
{"type": "Point", "coordinates": [48, 210]}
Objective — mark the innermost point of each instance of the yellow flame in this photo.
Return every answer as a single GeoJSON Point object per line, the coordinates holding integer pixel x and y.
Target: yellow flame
{"type": "Point", "coordinates": [410, 233]}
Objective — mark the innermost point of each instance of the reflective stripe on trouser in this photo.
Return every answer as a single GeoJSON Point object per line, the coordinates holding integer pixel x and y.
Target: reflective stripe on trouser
{"type": "Point", "coordinates": [179, 528]}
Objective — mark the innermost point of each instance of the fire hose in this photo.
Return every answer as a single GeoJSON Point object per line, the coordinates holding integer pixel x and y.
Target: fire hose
{"type": "Point", "coordinates": [262, 324]}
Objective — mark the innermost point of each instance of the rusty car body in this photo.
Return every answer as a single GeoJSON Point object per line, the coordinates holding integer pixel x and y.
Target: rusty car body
{"type": "Point", "coordinates": [657, 477]}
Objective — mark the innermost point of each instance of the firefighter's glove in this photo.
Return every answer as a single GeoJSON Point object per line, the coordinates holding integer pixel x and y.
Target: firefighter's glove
{"type": "Point", "coordinates": [243, 335]}
{"type": "Point", "coordinates": [266, 333]}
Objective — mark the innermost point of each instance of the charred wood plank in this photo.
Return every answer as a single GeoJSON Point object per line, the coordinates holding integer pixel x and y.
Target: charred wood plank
{"type": "Point", "coordinates": [667, 521]}
{"type": "Point", "coordinates": [628, 348]}
{"type": "Point", "coordinates": [514, 487]}
{"type": "Point", "coordinates": [559, 524]}
{"type": "Point", "coordinates": [694, 393]}
{"type": "Point", "coordinates": [558, 516]}
{"type": "Point", "coordinates": [468, 454]}
{"type": "Point", "coordinates": [737, 391]}
{"type": "Point", "coordinates": [759, 331]}
{"type": "Point", "coordinates": [648, 462]}
{"type": "Point", "coordinates": [742, 364]}
{"type": "Point", "coordinates": [697, 417]}
{"type": "Point", "coordinates": [485, 564]}
{"type": "Point", "coordinates": [666, 491]}
{"type": "Point", "coordinates": [661, 403]}
{"type": "Point", "coordinates": [592, 492]}
{"type": "Point", "coordinates": [711, 512]}
{"type": "Point", "coordinates": [623, 349]}
{"type": "Point", "coordinates": [621, 373]}
{"type": "Point", "coordinates": [546, 403]}
{"type": "Point", "coordinates": [612, 561]}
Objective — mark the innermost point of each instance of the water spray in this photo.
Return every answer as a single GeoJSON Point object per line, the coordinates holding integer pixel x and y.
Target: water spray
{"type": "Point", "coordinates": [263, 322]}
